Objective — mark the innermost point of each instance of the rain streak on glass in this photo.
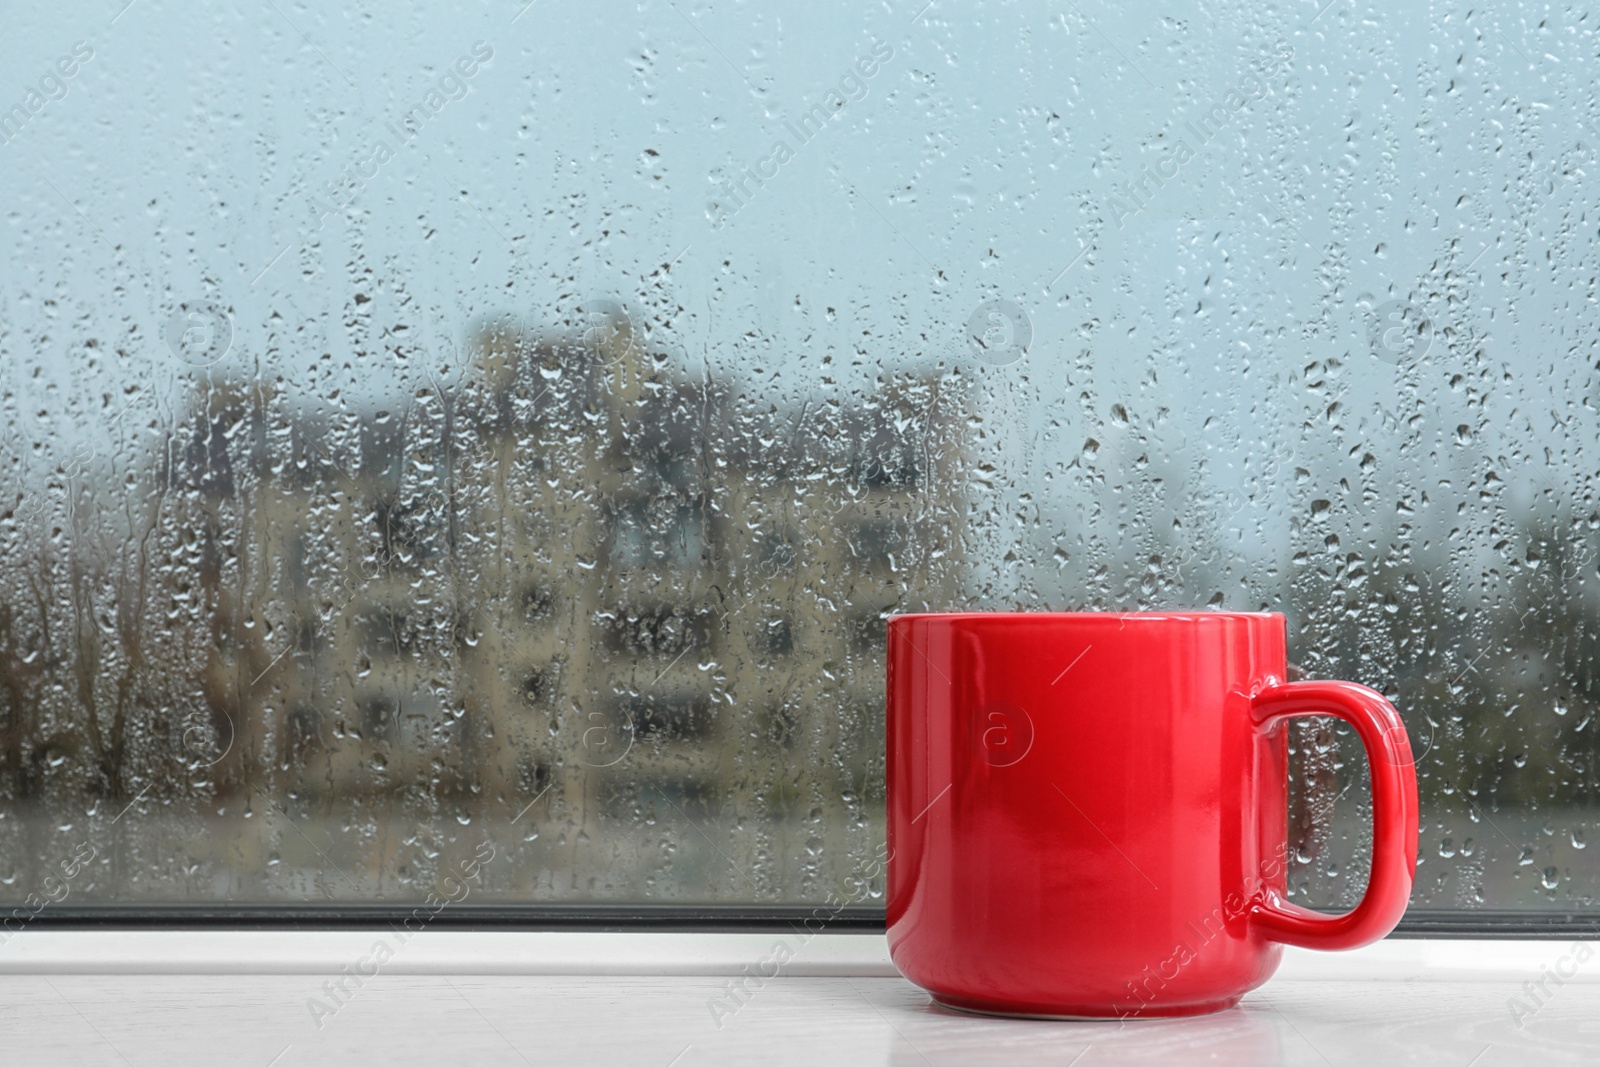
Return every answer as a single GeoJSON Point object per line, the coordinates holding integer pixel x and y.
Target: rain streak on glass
{"type": "Point", "coordinates": [505, 425]}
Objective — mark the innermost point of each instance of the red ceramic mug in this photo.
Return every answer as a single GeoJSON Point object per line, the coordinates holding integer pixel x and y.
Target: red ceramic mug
{"type": "Point", "coordinates": [1087, 812]}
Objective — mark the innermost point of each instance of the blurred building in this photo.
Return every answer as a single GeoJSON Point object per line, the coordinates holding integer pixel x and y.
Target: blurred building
{"type": "Point", "coordinates": [575, 577]}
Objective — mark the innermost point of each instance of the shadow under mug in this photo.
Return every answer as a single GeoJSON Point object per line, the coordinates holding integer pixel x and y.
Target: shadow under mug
{"type": "Point", "coordinates": [1087, 811]}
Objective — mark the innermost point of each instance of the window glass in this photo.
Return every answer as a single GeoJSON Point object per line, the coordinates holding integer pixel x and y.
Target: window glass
{"type": "Point", "coordinates": [504, 428]}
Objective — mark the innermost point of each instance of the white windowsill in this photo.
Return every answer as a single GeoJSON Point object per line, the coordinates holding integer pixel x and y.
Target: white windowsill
{"type": "Point", "coordinates": [444, 952]}
{"type": "Point", "coordinates": [174, 998]}
{"type": "Point", "coordinates": [433, 952]}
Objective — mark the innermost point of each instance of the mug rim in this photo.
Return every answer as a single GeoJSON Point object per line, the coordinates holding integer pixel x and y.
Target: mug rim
{"type": "Point", "coordinates": [1138, 616]}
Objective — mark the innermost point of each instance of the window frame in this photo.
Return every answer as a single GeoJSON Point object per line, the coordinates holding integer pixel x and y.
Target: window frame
{"type": "Point", "coordinates": [614, 917]}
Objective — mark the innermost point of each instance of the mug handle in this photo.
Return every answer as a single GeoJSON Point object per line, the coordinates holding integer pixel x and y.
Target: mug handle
{"type": "Point", "coordinates": [1394, 817]}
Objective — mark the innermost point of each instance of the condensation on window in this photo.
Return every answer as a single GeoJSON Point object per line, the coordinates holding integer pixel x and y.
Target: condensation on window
{"type": "Point", "coordinates": [506, 432]}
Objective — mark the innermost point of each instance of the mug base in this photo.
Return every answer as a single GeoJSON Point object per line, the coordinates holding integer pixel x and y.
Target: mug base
{"type": "Point", "coordinates": [1152, 1011]}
